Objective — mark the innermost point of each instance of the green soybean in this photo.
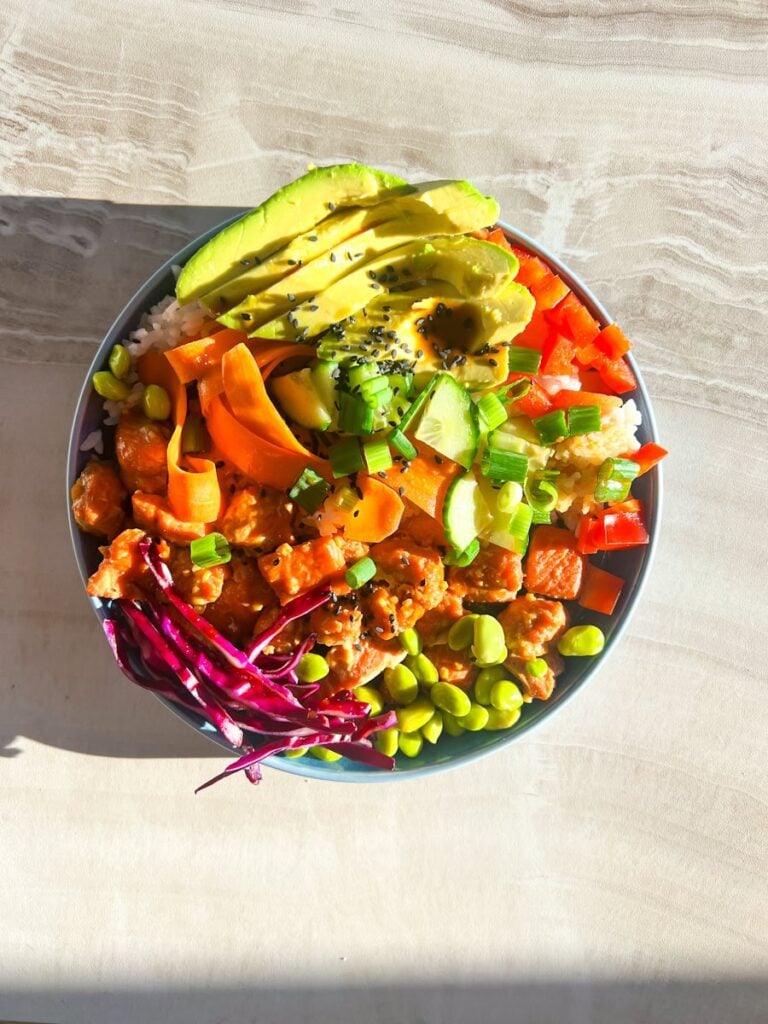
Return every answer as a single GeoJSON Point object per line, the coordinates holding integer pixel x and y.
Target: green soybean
{"type": "Point", "coordinates": [295, 752]}
{"type": "Point", "coordinates": [410, 641]}
{"type": "Point", "coordinates": [415, 715]}
{"type": "Point", "coordinates": [410, 743]}
{"type": "Point", "coordinates": [401, 684]}
{"type": "Point", "coordinates": [452, 725]}
{"type": "Point", "coordinates": [536, 667]}
{"type": "Point", "coordinates": [506, 695]}
{"type": "Point", "coordinates": [461, 633]}
{"type": "Point", "coordinates": [581, 642]}
{"type": "Point", "coordinates": [423, 669]}
{"type": "Point", "coordinates": [450, 698]}
{"type": "Point", "coordinates": [323, 754]}
{"type": "Point", "coordinates": [371, 696]}
{"type": "Point", "coordinates": [312, 668]}
{"type": "Point", "coordinates": [485, 680]}
{"type": "Point", "coordinates": [386, 741]}
{"type": "Point", "coordinates": [477, 718]}
{"type": "Point", "coordinates": [433, 729]}
{"type": "Point", "coordinates": [498, 720]}
{"type": "Point", "coordinates": [156, 402]}
{"type": "Point", "coordinates": [108, 386]}
{"type": "Point", "coordinates": [119, 361]}
{"type": "Point", "coordinates": [488, 642]}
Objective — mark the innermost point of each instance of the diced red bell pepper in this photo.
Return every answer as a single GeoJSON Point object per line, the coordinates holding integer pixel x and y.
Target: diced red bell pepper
{"type": "Point", "coordinates": [587, 354]}
{"type": "Point", "coordinates": [606, 403]}
{"type": "Point", "coordinates": [611, 531]}
{"type": "Point", "coordinates": [601, 590]}
{"type": "Point", "coordinates": [536, 334]}
{"type": "Point", "coordinates": [572, 318]}
{"type": "Point", "coordinates": [534, 404]}
{"type": "Point", "coordinates": [648, 456]}
{"type": "Point", "coordinates": [612, 342]}
{"type": "Point", "coordinates": [592, 381]}
{"type": "Point", "coordinates": [498, 237]}
{"type": "Point", "coordinates": [557, 356]}
{"type": "Point", "coordinates": [549, 291]}
{"type": "Point", "coordinates": [631, 505]}
{"type": "Point", "coordinates": [616, 374]}
{"type": "Point", "coordinates": [532, 270]}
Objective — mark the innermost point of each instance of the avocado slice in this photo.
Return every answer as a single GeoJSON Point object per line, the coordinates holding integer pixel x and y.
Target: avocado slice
{"type": "Point", "coordinates": [447, 208]}
{"type": "Point", "coordinates": [291, 211]}
{"type": "Point", "coordinates": [456, 206]}
{"type": "Point", "coordinates": [471, 267]}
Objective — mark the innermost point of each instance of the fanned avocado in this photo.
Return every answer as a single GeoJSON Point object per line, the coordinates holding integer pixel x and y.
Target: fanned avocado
{"type": "Point", "coordinates": [291, 211]}
{"type": "Point", "coordinates": [456, 205]}
{"type": "Point", "coordinates": [472, 268]}
{"type": "Point", "coordinates": [436, 209]}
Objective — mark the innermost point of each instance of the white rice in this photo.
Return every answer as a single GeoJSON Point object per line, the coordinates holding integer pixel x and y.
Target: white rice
{"type": "Point", "coordinates": [94, 442]}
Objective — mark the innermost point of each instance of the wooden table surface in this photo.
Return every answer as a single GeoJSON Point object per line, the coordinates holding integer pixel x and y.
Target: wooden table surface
{"type": "Point", "coordinates": [612, 866]}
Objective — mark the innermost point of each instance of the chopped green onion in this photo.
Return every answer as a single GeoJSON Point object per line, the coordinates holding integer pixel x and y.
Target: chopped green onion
{"type": "Point", "coordinates": [417, 405]}
{"type": "Point", "coordinates": [401, 384]}
{"type": "Point", "coordinates": [541, 517]}
{"type": "Point", "coordinates": [381, 399]}
{"type": "Point", "coordinates": [213, 549]}
{"type": "Point", "coordinates": [519, 526]}
{"type": "Point", "coordinates": [355, 417]}
{"type": "Point", "coordinates": [377, 456]}
{"type": "Point", "coordinates": [346, 457]}
{"type": "Point", "coordinates": [541, 495]}
{"type": "Point", "coordinates": [518, 389]}
{"type": "Point", "coordinates": [345, 498]}
{"type": "Point", "coordinates": [583, 419]}
{"type": "Point", "coordinates": [361, 372]}
{"type": "Point", "coordinates": [523, 360]}
{"type": "Point", "coordinates": [310, 490]}
{"type": "Point", "coordinates": [614, 479]}
{"type": "Point", "coordinates": [372, 389]}
{"type": "Point", "coordinates": [551, 427]}
{"type": "Point", "coordinates": [465, 557]}
{"type": "Point", "coordinates": [501, 466]}
{"type": "Point", "coordinates": [359, 573]}
{"type": "Point", "coordinates": [510, 495]}
{"type": "Point", "coordinates": [492, 412]}
{"type": "Point", "coordinates": [400, 442]}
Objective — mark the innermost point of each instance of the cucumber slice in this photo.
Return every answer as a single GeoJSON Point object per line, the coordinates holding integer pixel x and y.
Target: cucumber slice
{"type": "Point", "coordinates": [297, 396]}
{"type": "Point", "coordinates": [465, 512]}
{"type": "Point", "coordinates": [449, 421]}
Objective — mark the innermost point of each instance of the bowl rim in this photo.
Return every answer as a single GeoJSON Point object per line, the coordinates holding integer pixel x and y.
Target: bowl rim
{"type": "Point", "coordinates": [310, 768]}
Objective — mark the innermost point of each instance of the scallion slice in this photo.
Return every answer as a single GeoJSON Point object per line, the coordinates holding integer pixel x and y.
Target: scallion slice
{"type": "Point", "coordinates": [346, 498]}
{"type": "Point", "coordinates": [213, 549]}
{"type": "Point", "coordinates": [377, 456]}
{"type": "Point", "coordinates": [501, 465]}
{"type": "Point", "coordinates": [355, 417]}
{"type": "Point", "coordinates": [465, 557]}
{"type": "Point", "coordinates": [518, 389]}
{"type": "Point", "coordinates": [523, 360]}
{"type": "Point", "coordinates": [509, 496]}
{"type": "Point", "coordinates": [583, 419]}
{"type": "Point", "coordinates": [371, 389]}
{"type": "Point", "coordinates": [614, 479]}
{"type": "Point", "coordinates": [519, 526]}
{"type": "Point", "coordinates": [359, 573]}
{"type": "Point", "coordinates": [541, 517]}
{"type": "Point", "coordinates": [361, 372]}
{"type": "Point", "coordinates": [310, 490]}
{"type": "Point", "coordinates": [551, 427]}
{"type": "Point", "coordinates": [346, 457]}
{"type": "Point", "coordinates": [401, 443]}
{"type": "Point", "coordinates": [492, 412]}
{"type": "Point", "coordinates": [541, 495]}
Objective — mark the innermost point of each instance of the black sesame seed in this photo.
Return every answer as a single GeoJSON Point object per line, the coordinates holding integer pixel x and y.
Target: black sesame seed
{"type": "Point", "coordinates": [332, 257]}
{"type": "Point", "coordinates": [492, 362]}
{"type": "Point", "coordinates": [313, 308]}
{"type": "Point", "coordinates": [422, 583]}
{"type": "Point", "coordinates": [291, 297]}
{"type": "Point", "coordinates": [245, 316]}
{"type": "Point", "coordinates": [356, 513]}
{"type": "Point", "coordinates": [439, 460]}
{"type": "Point", "coordinates": [313, 238]}
{"type": "Point", "coordinates": [331, 207]}
{"type": "Point", "coordinates": [275, 561]}
{"type": "Point", "coordinates": [291, 263]}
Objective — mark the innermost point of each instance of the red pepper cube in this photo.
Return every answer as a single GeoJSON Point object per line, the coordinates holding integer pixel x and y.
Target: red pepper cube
{"type": "Point", "coordinates": [557, 357]}
{"type": "Point", "coordinates": [554, 567]}
{"type": "Point", "coordinates": [572, 318]}
{"type": "Point", "coordinates": [616, 374]}
{"type": "Point", "coordinates": [536, 334]}
{"type": "Point", "coordinates": [535, 403]}
{"type": "Point", "coordinates": [612, 342]}
{"type": "Point", "coordinates": [601, 590]}
{"type": "Point", "coordinates": [549, 291]}
{"type": "Point", "coordinates": [531, 271]}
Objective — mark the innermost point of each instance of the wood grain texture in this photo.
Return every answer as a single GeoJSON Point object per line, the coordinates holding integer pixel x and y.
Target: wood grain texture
{"type": "Point", "coordinates": [612, 866]}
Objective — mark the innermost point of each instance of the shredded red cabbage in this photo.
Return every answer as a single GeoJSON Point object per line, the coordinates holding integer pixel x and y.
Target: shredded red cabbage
{"type": "Point", "coordinates": [172, 650]}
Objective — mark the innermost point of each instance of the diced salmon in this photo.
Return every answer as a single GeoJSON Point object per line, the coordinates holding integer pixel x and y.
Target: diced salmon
{"type": "Point", "coordinates": [495, 575]}
{"type": "Point", "coordinates": [198, 586]}
{"type": "Point", "coordinates": [425, 530]}
{"type": "Point", "coordinates": [141, 445]}
{"type": "Point", "coordinates": [533, 687]}
{"type": "Point", "coordinates": [259, 518]}
{"type": "Point", "coordinates": [554, 567]}
{"type": "Point", "coordinates": [530, 623]}
{"type": "Point", "coordinates": [409, 581]}
{"type": "Point", "coordinates": [453, 666]}
{"type": "Point", "coordinates": [337, 622]}
{"type": "Point", "coordinates": [244, 597]}
{"type": "Point", "coordinates": [97, 500]}
{"type": "Point", "coordinates": [292, 570]}
{"type": "Point", "coordinates": [351, 667]}
{"type": "Point", "coordinates": [123, 572]}
{"type": "Point", "coordinates": [434, 624]}
{"type": "Point", "coordinates": [153, 513]}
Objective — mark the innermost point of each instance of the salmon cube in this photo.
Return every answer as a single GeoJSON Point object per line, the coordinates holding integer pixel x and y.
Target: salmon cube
{"type": "Point", "coordinates": [554, 567]}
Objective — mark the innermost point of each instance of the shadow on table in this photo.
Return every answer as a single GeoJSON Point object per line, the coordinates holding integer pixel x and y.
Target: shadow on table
{"type": "Point", "coordinates": [67, 267]}
{"type": "Point", "coordinates": [557, 1002]}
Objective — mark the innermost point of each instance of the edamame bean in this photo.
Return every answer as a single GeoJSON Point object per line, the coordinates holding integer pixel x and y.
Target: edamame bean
{"type": "Point", "coordinates": [485, 680]}
{"type": "Point", "coordinates": [581, 642]}
{"type": "Point", "coordinates": [498, 720]}
{"type": "Point", "coordinates": [108, 386]}
{"type": "Point", "coordinates": [461, 633]}
{"type": "Point", "coordinates": [194, 436]}
{"type": "Point", "coordinates": [410, 641]}
{"type": "Point", "coordinates": [295, 752]}
{"type": "Point", "coordinates": [450, 698]}
{"type": "Point", "coordinates": [415, 715]}
{"type": "Point", "coordinates": [423, 669]}
{"type": "Point", "coordinates": [156, 402]}
{"type": "Point", "coordinates": [452, 725]}
{"type": "Point", "coordinates": [488, 642]}
{"type": "Point", "coordinates": [410, 743]}
{"type": "Point", "coordinates": [536, 667]}
{"type": "Point", "coordinates": [401, 684]}
{"type": "Point", "coordinates": [371, 696]}
{"type": "Point", "coordinates": [433, 729]}
{"type": "Point", "coordinates": [386, 741]}
{"type": "Point", "coordinates": [323, 754]}
{"type": "Point", "coordinates": [506, 696]}
{"type": "Point", "coordinates": [312, 668]}
{"type": "Point", "coordinates": [476, 719]}
{"type": "Point", "coordinates": [119, 361]}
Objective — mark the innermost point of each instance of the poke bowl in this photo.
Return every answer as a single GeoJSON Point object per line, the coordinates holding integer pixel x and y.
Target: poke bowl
{"type": "Point", "coordinates": [378, 507]}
